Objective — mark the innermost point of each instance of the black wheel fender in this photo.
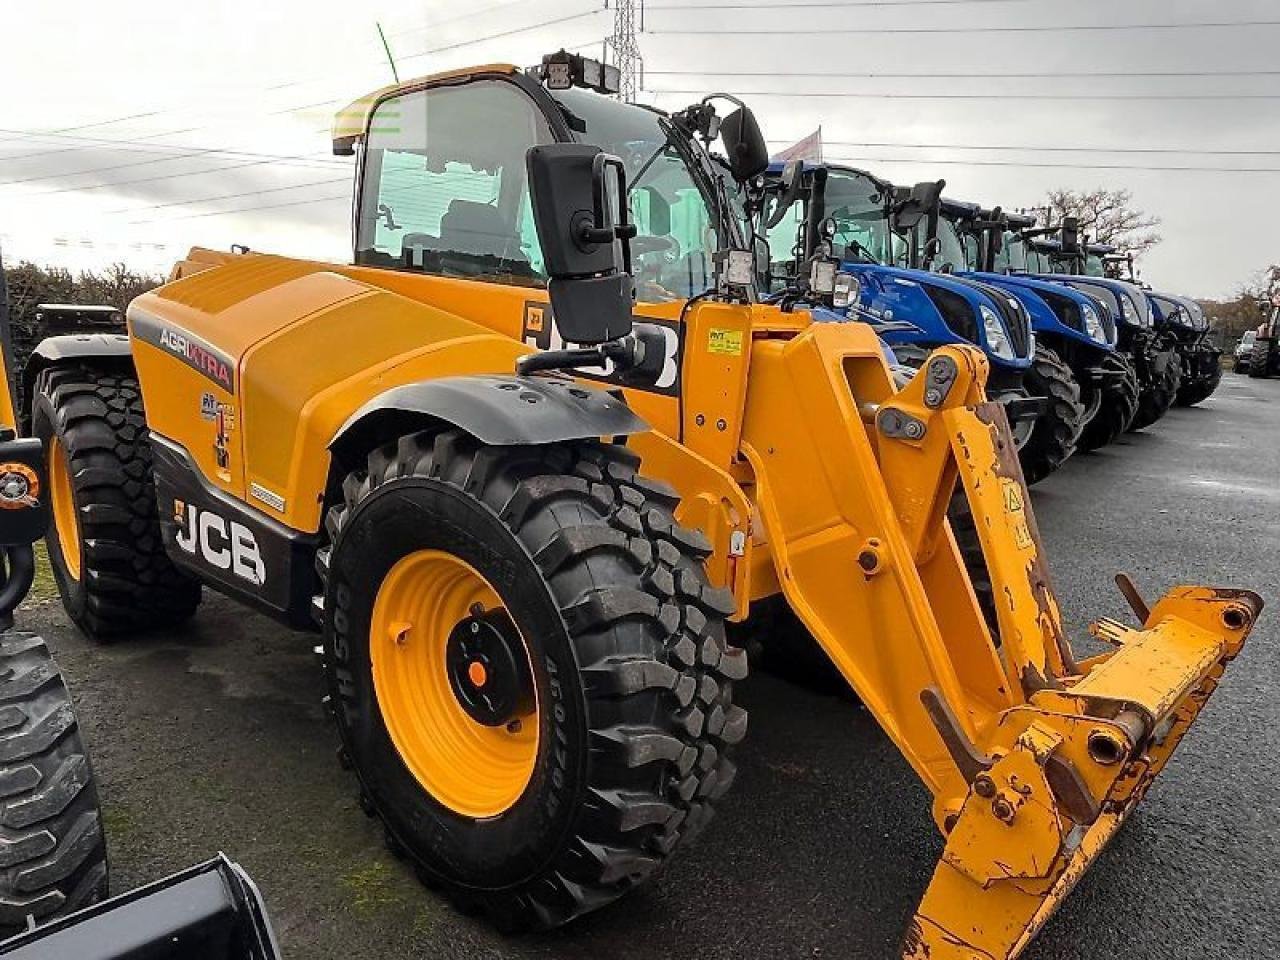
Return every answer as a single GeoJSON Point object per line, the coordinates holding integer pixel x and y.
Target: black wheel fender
{"type": "Point", "coordinates": [496, 410]}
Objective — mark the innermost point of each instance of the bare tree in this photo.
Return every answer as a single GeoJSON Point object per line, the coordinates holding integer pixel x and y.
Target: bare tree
{"type": "Point", "coordinates": [1106, 216]}
{"type": "Point", "coordinates": [1247, 309]}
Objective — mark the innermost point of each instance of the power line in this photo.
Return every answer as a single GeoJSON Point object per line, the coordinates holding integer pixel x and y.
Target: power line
{"type": "Point", "coordinates": [225, 196]}
{"type": "Point", "coordinates": [1066, 74]}
{"type": "Point", "coordinates": [413, 56]}
{"type": "Point", "coordinates": [1057, 28]}
{"type": "Point", "coordinates": [1050, 149]}
{"type": "Point", "coordinates": [286, 160]}
{"type": "Point", "coordinates": [825, 4]}
{"type": "Point", "coordinates": [504, 34]}
{"type": "Point", "coordinates": [859, 95]}
{"type": "Point", "coordinates": [155, 179]}
{"type": "Point", "coordinates": [251, 209]}
{"type": "Point", "coordinates": [29, 135]}
{"type": "Point", "coordinates": [1057, 166]}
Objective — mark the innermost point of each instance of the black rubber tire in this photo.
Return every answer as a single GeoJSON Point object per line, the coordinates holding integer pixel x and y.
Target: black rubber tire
{"type": "Point", "coordinates": [127, 582]}
{"type": "Point", "coordinates": [780, 644]}
{"type": "Point", "coordinates": [965, 530]}
{"type": "Point", "coordinates": [1199, 389]}
{"type": "Point", "coordinates": [1157, 397]}
{"type": "Point", "coordinates": [1057, 430]}
{"type": "Point", "coordinates": [627, 641]}
{"type": "Point", "coordinates": [54, 855]}
{"type": "Point", "coordinates": [1258, 360]}
{"type": "Point", "coordinates": [1117, 409]}
{"type": "Point", "coordinates": [910, 355]}
{"type": "Point", "coordinates": [1197, 385]}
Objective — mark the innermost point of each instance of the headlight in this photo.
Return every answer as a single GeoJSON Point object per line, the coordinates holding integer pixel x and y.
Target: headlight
{"type": "Point", "coordinates": [1130, 312]}
{"type": "Point", "coordinates": [997, 339]}
{"type": "Point", "coordinates": [1092, 323]}
{"type": "Point", "coordinates": [847, 291]}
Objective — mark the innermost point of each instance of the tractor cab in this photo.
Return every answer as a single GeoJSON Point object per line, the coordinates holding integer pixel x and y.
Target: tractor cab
{"type": "Point", "coordinates": [879, 235]}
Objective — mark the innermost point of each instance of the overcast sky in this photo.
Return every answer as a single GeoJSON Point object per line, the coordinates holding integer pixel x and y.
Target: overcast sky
{"type": "Point", "coordinates": [133, 130]}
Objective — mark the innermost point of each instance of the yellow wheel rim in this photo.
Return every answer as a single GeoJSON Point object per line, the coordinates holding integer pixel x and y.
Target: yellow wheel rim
{"type": "Point", "coordinates": [424, 608]}
{"type": "Point", "coordinates": [65, 522]}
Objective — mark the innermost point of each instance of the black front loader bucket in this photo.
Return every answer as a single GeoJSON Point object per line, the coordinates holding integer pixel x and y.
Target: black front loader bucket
{"type": "Point", "coordinates": [212, 911]}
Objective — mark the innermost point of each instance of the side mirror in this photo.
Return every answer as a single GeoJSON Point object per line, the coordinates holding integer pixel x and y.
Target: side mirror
{"type": "Point", "coordinates": [748, 153]}
{"type": "Point", "coordinates": [791, 181]}
{"type": "Point", "coordinates": [1070, 236]}
{"type": "Point", "coordinates": [585, 238]}
{"type": "Point", "coordinates": [922, 200]}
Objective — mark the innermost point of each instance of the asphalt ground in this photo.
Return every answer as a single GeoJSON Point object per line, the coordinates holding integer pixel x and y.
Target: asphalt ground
{"type": "Point", "coordinates": [214, 739]}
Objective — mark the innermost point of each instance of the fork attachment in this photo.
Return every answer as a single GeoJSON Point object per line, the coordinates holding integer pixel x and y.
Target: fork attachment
{"type": "Point", "coordinates": [1034, 756]}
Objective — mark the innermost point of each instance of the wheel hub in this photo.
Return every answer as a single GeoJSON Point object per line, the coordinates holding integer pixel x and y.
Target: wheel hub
{"type": "Point", "coordinates": [488, 669]}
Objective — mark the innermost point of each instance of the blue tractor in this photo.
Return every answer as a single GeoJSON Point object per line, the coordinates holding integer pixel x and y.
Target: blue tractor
{"type": "Point", "coordinates": [1179, 318]}
{"type": "Point", "coordinates": [866, 229]}
{"type": "Point", "coordinates": [1074, 327]}
{"type": "Point", "coordinates": [1063, 259]}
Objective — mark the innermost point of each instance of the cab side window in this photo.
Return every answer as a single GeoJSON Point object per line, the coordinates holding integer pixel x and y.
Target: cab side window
{"type": "Point", "coordinates": [445, 189]}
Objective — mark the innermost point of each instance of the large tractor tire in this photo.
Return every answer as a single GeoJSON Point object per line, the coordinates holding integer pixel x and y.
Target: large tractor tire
{"type": "Point", "coordinates": [1057, 430]}
{"type": "Point", "coordinates": [1259, 360]}
{"type": "Point", "coordinates": [1118, 406]}
{"type": "Point", "coordinates": [1201, 374]}
{"type": "Point", "coordinates": [53, 856]}
{"type": "Point", "coordinates": [528, 669]}
{"type": "Point", "coordinates": [1199, 389]}
{"type": "Point", "coordinates": [104, 543]}
{"type": "Point", "coordinates": [1156, 399]}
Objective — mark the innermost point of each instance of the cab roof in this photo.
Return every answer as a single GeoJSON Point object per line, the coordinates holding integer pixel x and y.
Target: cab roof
{"type": "Point", "coordinates": [350, 123]}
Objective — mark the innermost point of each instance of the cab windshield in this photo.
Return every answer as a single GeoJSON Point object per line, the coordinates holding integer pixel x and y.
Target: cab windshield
{"type": "Point", "coordinates": [951, 253]}
{"type": "Point", "coordinates": [1012, 256]}
{"type": "Point", "coordinates": [859, 207]}
{"type": "Point", "coordinates": [1093, 266]}
{"type": "Point", "coordinates": [1038, 261]}
{"type": "Point", "coordinates": [677, 231]}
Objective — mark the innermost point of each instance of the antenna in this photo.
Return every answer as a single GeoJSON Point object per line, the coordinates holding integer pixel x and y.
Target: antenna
{"type": "Point", "coordinates": [395, 74]}
{"type": "Point", "coordinates": [626, 51]}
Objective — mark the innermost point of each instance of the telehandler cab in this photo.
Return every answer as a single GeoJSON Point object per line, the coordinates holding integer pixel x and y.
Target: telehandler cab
{"type": "Point", "coordinates": [521, 509]}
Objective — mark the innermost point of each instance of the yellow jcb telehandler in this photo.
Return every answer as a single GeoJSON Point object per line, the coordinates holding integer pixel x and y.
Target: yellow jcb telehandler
{"type": "Point", "coordinates": [525, 457]}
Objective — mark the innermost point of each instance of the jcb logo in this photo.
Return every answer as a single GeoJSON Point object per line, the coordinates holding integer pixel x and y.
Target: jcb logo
{"type": "Point", "coordinates": [540, 331]}
{"type": "Point", "coordinates": [226, 546]}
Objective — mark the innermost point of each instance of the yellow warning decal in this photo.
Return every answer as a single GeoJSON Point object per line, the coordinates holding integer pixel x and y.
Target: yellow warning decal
{"type": "Point", "coordinates": [1014, 494]}
{"type": "Point", "coordinates": [725, 342]}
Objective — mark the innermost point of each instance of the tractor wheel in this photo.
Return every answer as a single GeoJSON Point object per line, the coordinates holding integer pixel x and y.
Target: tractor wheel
{"type": "Point", "coordinates": [1057, 430]}
{"type": "Point", "coordinates": [1258, 360]}
{"type": "Point", "coordinates": [55, 856]}
{"type": "Point", "coordinates": [911, 355]}
{"type": "Point", "coordinates": [780, 644]}
{"type": "Point", "coordinates": [965, 529]}
{"type": "Point", "coordinates": [1117, 408]}
{"type": "Point", "coordinates": [104, 543]}
{"type": "Point", "coordinates": [528, 669]}
{"type": "Point", "coordinates": [1157, 397]}
{"type": "Point", "coordinates": [1198, 385]}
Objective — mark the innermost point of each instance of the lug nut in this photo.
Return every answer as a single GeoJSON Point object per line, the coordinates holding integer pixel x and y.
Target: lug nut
{"type": "Point", "coordinates": [984, 786]}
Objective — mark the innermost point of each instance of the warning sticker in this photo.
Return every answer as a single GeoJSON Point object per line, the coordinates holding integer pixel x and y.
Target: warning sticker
{"type": "Point", "coordinates": [1016, 512]}
{"type": "Point", "coordinates": [725, 342]}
